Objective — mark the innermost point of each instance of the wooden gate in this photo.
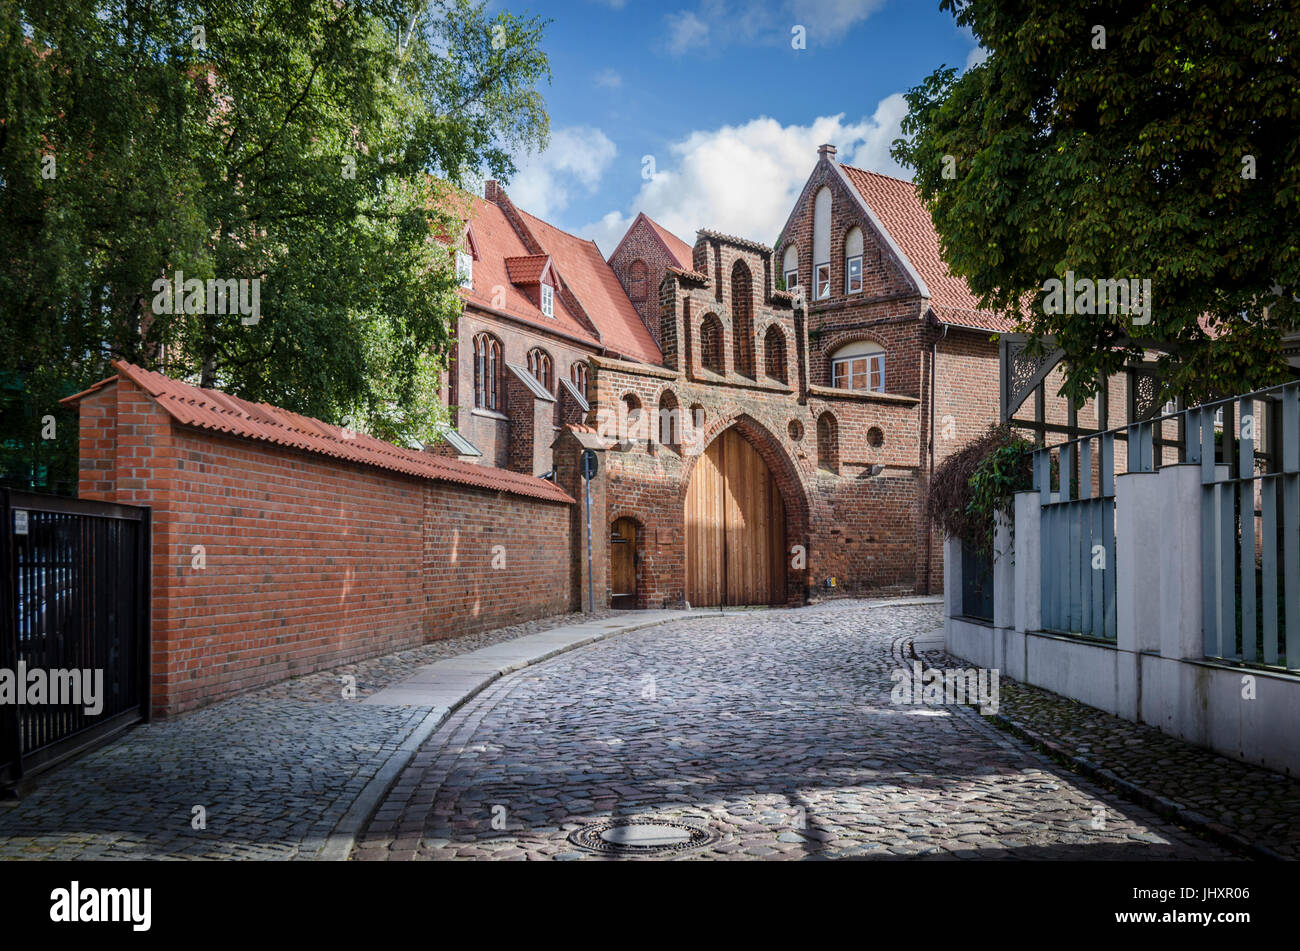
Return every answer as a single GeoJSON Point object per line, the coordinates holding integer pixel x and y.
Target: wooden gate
{"type": "Point", "coordinates": [735, 527]}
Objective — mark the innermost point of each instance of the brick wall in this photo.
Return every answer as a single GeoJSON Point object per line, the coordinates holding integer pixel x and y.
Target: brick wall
{"type": "Point", "coordinates": [642, 244]}
{"type": "Point", "coordinates": [308, 562]}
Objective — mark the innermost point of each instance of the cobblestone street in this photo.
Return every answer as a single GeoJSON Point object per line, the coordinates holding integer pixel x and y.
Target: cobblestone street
{"type": "Point", "coordinates": [772, 730]}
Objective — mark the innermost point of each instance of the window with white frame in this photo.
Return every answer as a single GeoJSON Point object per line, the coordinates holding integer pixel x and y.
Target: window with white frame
{"type": "Point", "coordinates": [822, 245]}
{"type": "Point", "coordinates": [548, 300]}
{"type": "Point", "coordinates": [853, 261]}
{"type": "Point", "coordinates": [859, 366]}
{"type": "Point", "coordinates": [465, 269]}
{"type": "Point", "coordinates": [822, 282]}
{"type": "Point", "coordinates": [790, 268]}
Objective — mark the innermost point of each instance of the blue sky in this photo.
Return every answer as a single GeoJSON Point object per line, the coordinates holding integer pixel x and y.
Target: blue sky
{"type": "Point", "coordinates": [731, 113]}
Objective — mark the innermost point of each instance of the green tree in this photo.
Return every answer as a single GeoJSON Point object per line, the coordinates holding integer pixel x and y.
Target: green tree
{"type": "Point", "coordinates": [1123, 139]}
{"type": "Point", "coordinates": [316, 146]}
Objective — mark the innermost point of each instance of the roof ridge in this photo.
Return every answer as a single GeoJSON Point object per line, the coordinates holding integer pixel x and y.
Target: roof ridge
{"type": "Point", "coordinates": [555, 227]}
{"type": "Point", "coordinates": [868, 171]}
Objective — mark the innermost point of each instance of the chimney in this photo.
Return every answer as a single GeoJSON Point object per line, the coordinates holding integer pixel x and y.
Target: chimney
{"type": "Point", "coordinates": [824, 151]}
{"type": "Point", "coordinates": [493, 192]}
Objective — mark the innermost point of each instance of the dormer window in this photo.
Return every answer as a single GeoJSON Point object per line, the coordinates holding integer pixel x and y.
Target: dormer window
{"type": "Point", "coordinates": [548, 300]}
{"type": "Point", "coordinates": [465, 269]}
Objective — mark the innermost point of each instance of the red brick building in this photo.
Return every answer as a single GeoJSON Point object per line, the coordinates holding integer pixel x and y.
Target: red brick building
{"type": "Point", "coordinates": [837, 404]}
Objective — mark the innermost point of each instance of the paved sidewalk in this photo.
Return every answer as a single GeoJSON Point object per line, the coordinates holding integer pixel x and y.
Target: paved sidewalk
{"type": "Point", "coordinates": [1247, 804]}
{"type": "Point", "coordinates": [286, 772]}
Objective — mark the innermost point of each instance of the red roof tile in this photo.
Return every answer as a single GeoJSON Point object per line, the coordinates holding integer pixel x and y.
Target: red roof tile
{"type": "Point", "coordinates": [527, 269]}
{"type": "Point", "coordinates": [221, 412]}
{"type": "Point", "coordinates": [594, 283]}
{"type": "Point", "coordinates": [678, 248]}
{"type": "Point", "coordinates": [906, 219]}
{"type": "Point", "coordinates": [496, 241]}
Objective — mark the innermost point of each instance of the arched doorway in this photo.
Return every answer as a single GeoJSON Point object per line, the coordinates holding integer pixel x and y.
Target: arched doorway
{"type": "Point", "coordinates": [622, 558]}
{"type": "Point", "coordinates": [735, 527]}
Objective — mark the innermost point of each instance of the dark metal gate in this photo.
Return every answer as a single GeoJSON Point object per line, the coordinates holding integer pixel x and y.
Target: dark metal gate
{"type": "Point", "coordinates": [74, 608]}
{"type": "Point", "coordinates": [976, 583]}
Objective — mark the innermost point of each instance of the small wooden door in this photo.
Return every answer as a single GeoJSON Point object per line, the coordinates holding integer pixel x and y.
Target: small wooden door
{"type": "Point", "coordinates": [622, 554]}
{"type": "Point", "coordinates": [735, 527]}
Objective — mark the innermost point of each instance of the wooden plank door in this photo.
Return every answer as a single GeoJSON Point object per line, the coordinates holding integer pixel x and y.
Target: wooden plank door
{"type": "Point", "coordinates": [735, 527]}
{"type": "Point", "coordinates": [622, 550]}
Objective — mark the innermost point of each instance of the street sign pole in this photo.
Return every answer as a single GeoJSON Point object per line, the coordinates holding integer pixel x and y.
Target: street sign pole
{"type": "Point", "coordinates": [587, 466]}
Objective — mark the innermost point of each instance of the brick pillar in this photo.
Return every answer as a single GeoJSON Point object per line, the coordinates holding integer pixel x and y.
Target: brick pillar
{"type": "Point", "coordinates": [531, 427]}
{"type": "Point", "coordinates": [670, 324]}
{"type": "Point", "coordinates": [567, 449]}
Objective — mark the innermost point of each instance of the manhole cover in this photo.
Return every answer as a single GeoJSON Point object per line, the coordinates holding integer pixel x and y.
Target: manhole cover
{"type": "Point", "coordinates": [642, 836]}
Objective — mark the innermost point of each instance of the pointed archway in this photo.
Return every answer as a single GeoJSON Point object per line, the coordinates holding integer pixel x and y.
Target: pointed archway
{"type": "Point", "coordinates": [740, 508]}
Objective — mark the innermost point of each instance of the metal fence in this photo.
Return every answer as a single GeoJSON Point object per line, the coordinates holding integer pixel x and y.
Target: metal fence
{"type": "Point", "coordinates": [1248, 448]}
{"type": "Point", "coordinates": [1249, 451]}
{"type": "Point", "coordinates": [1078, 535]}
{"type": "Point", "coordinates": [75, 597]}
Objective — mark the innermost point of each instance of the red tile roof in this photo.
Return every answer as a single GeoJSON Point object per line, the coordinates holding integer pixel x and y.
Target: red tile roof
{"type": "Point", "coordinates": [906, 219]}
{"type": "Point", "coordinates": [496, 241]}
{"type": "Point", "coordinates": [527, 269]}
{"type": "Point", "coordinates": [594, 283]}
{"type": "Point", "coordinates": [220, 412]}
{"type": "Point", "coordinates": [678, 248]}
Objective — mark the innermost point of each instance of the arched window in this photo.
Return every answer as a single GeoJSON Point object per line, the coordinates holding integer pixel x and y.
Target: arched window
{"type": "Point", "coordinates": [539, 365]}
{"type": "Point", "coordinates": [487, 371]}
{"type": "Point", "coordinates": [742, 318]}
{"type": "Point", "coordinates": [711, 344]}
{"type": "Point", "coordinates": [638, 280]}
{"type": "Point", "coordinates": [790, 268]}
{"type": "Point", "coordinates": [828, 443]}
{"type": "Point", "coordinates": [632, 417]}
{"type": "Point", "coordinates": [853, 261]}
{"type": "Point", "coordinates": [670, 420]}
{"type": "Point", "coordinates": [774, 353]}
{"type": "Point", "coordinates": [859, 366]}
{"type": "Point", "coordinates": [578, 376]}
{"type": "Point", "coordinates": [822, 245]}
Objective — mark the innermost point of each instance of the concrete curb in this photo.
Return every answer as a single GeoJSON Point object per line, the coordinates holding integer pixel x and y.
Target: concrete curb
{"type": "Point", "coordinates": [338, 844]}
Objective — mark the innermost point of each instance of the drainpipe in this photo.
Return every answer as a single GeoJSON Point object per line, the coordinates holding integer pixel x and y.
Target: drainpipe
{"type": "Point", "coordinates": [929, 534]}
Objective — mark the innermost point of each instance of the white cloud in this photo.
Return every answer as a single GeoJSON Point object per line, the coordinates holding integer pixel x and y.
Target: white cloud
{"type": "Point", "coordinates": [743, 180]}
{"type": "Point", "coordinates": [828, 20]}
{"type": "Point", "coordinates": [978, 55]}
{"type": "Point", "coordinates": [685, 31]}
{"type": "Point", "coordinates": [764, 22]}
{"type": "Point", "coordinates": [575, 159]}
{"type": "Point", "coordinates": [608, 79]}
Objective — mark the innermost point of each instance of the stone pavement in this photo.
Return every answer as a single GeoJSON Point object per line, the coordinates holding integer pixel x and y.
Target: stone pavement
{"type": "Point", "coordinates": [774, 731]}
{"type": "Point", "coordinates": [287, 772]}
{"type": "Point", "coordinates": [1252, 805]}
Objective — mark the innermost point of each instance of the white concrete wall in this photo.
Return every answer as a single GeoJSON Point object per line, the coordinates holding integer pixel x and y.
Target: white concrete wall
{"type": "Point", "coordinates": [1155, 673]}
